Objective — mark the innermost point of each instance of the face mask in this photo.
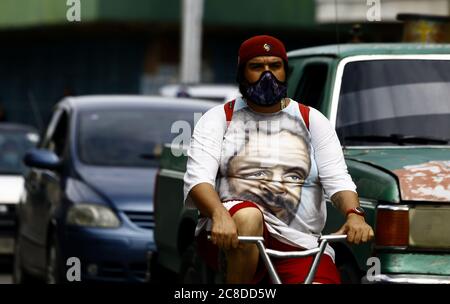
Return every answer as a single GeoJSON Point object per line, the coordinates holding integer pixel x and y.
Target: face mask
{"type": "Point", "coordinates": [267, 91]}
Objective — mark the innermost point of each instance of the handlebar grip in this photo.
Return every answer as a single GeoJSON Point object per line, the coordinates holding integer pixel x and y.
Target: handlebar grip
{"type": "Point", "coordinates": [333, 237]}
{"type": "Point", "coordinates": [244, 239]}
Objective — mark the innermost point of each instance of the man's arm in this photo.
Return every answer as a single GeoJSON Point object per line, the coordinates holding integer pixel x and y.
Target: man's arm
{"type": "Point", "coordinates": [334, 177]}
{"type": "Point", "coordinates": [355, 227]}
{"type": "Point", "coordinates": [224, 231]}
{"type": "Point", "coordinates": [201, 171]}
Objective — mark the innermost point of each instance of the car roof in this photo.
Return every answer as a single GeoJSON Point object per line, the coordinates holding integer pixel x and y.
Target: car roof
{"type": "Point", "coordinates": [17, 127]}
{"type": "Point", "coordinates": [346, 50]}
{"type": "Point", "coordinates": [95, 102]}
{"type": "Point", "coordinates": [224, 91]}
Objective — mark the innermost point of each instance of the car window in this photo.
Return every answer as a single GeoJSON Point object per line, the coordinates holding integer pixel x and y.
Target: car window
{"type": "Point", "coordinates": [13, 146]}
{"type": "Point", "coordinates": [57, 140]}
{"type": "Point", "coordinates": [310, 90]}
{"type": "Point", "coordinates": [50, 129]}
{"type": "Point", "coordinates": [133, 137]}
{"type": "Point", "coordinates": [394, 99]}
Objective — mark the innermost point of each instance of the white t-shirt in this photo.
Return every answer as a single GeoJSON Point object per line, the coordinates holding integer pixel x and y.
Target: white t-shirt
{"type": "Point", "coordinates": [273, 160]}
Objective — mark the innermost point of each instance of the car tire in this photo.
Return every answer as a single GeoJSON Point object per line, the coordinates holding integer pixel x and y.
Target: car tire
{"type": "Point", "coordinates": [193, 269]}
{"type": "Point", "coordinates": [53, 269]}
{"type": "Point", "coordinates": [20, 275]}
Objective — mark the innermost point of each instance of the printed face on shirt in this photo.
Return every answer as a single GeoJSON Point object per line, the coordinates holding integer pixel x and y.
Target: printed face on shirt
{"type": "Point", "coordinates": [270, 170]}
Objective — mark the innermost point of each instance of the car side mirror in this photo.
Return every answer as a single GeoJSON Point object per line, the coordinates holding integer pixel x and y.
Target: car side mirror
{"type": "Point", "coordinates": [42, 159]}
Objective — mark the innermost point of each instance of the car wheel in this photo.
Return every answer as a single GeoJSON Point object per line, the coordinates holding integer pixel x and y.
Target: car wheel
{"type": "Point", "coordinates": [53, 268]}
{"type": "Point", "coordinates": [194, 270]}
{"type": "Point", "coordinates": [20, 275]}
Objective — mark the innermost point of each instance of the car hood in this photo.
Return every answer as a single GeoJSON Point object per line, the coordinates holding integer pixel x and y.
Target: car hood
{"type": "Point", "coordinates": [423, 173]}
{"type": "Point", "coordinates": [128, 189]}
{"type": "Point", "coordinates": [11, 188]}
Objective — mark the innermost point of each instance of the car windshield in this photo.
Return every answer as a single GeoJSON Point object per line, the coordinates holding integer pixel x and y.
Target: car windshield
{"type": "Point", "coordinates": [395, 102]}
{"type": "Point", "coordinates": [130, 138]}
{"type": "Point", "coordinates": [13, 146]}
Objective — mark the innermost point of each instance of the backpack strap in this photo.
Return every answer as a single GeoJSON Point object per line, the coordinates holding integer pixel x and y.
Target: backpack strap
{"type": "Point", "coordinates": [304, 111]}
{"type": "Point", "coordinates": [229, 109]}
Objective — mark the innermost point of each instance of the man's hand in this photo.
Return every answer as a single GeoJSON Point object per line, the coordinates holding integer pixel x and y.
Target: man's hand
{"type": "Point", "coordinates": [357, 230]}
{"type": "Point", "coordinates": [355, 227]}
{"type": "Point", "coordinates": [224, 231]}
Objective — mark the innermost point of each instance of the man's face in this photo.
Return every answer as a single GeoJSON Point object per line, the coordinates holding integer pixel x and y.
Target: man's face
{"type": "Point", "coordinates": [258, 65]}
{"type": "Point", "coordinates": [273, 182]}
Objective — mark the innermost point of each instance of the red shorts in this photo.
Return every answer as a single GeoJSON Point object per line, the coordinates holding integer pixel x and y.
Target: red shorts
{"type": "Point", "coordinates": [290, 270]}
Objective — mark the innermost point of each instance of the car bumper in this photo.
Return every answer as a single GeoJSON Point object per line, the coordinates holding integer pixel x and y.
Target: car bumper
{"type": "Point", "coordinates": [406, 279]}
{"type": "Point", "coordinates": [7, 228]}
{"type": "Point", "coordinates": [108, 255]}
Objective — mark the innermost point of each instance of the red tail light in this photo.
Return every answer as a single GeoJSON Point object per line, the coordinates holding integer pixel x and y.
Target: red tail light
{"type": "Point", "coordinates": [392, 227]}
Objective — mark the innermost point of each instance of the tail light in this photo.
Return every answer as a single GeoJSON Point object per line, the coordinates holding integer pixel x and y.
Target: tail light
{"type": "Point", "coordinates": [392, 226]}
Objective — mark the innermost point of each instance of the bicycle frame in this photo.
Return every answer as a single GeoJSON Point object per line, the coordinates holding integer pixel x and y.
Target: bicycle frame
{"type": "Point", "coordinates": [266, 253]}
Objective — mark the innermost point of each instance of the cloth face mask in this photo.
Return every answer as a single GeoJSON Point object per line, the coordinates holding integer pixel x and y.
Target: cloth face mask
{"type": "Point", "coordinates": [267, 91]}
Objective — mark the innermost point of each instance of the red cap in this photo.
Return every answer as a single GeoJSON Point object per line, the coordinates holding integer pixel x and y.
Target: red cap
{"type": "Point", "coordinates": [262, 45]}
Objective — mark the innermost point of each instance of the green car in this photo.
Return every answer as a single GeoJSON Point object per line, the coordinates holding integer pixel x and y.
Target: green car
{"type": "Point", "coordinates": [390, 106]}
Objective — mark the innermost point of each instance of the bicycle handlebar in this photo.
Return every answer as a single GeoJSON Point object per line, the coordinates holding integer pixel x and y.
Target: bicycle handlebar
{"type": "Point", "coordinates": [328, 237]}
{"type": "Point", "coordinates": [266, 252]}
{"type": "Point", "coordinates": [333, 237]}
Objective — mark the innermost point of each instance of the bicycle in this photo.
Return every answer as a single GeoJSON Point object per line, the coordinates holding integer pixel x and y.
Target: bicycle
{"type": "Point", "coordinates": [266, 253]}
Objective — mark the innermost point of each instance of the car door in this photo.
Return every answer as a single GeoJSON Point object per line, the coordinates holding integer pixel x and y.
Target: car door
{"type": "Point", "coordinates": [43, 188]}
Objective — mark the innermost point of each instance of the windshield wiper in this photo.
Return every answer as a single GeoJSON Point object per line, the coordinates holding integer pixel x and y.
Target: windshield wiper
{"type": "Point", "coordinates": [399, 139]}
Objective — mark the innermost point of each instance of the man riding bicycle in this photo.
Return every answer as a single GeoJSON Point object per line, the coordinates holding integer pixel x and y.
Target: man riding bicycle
{"type": "Point", "coordinates": [259, 166]}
